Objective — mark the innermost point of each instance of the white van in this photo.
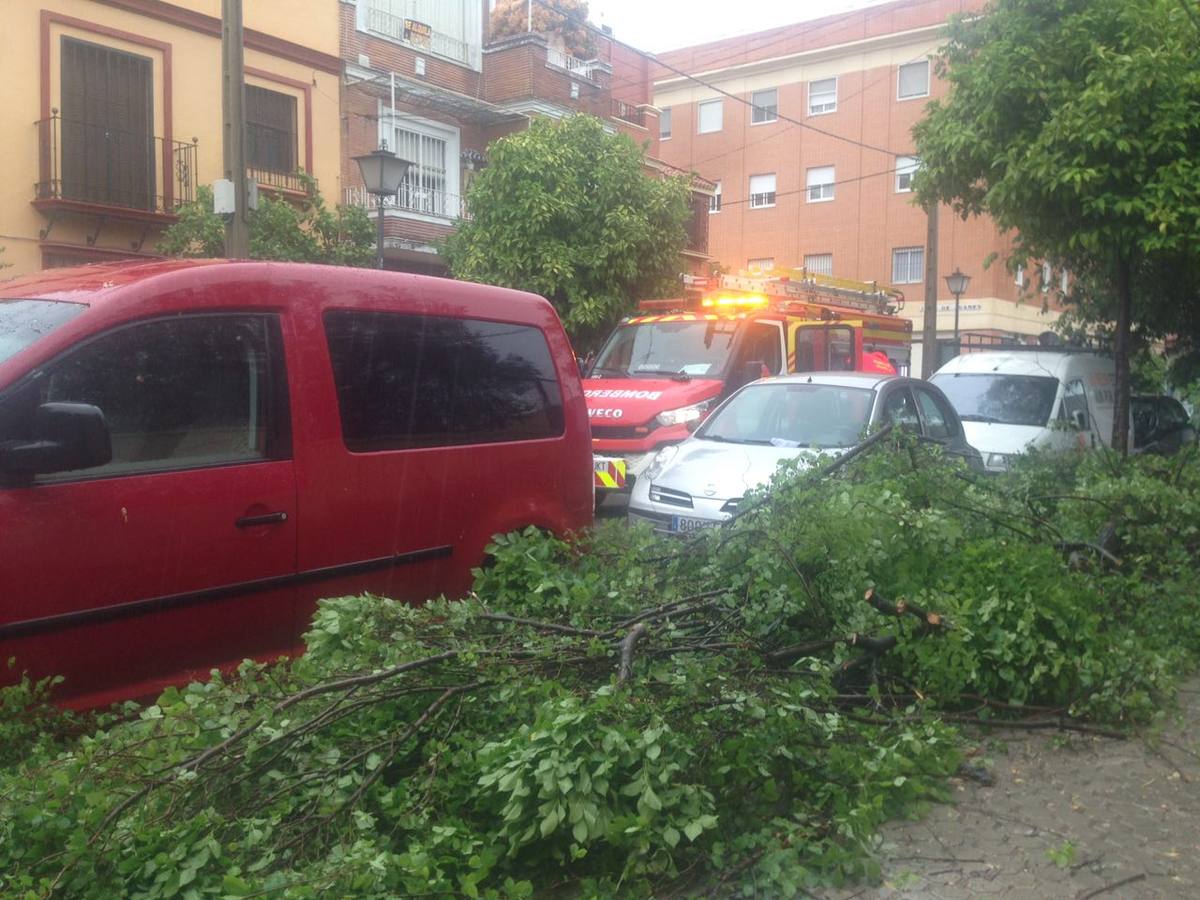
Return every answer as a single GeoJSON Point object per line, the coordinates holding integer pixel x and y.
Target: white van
{"type": "Point", "coordinates": [1015, 399]}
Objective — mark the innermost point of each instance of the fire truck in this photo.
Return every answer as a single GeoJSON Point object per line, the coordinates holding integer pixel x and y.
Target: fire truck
{"type": "Point", "coordinates": [661, 371]}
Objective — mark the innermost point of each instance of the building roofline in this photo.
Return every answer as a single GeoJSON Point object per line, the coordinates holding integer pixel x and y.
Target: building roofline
{"type": "Point", "coordinates": [896, 38]}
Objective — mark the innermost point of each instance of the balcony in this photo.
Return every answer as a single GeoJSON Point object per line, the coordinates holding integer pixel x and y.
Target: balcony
{"type": "Point", "coordinates": [283, 182]}
{"type": "Point", "coordinates": [92, 168]}
{"type": "Point", "coordinates": [419, 201]}
{"type": "Point", "coordinates": [593, 70]}
{"type": "Point", "coordinates": [628, 112]}
{"type": "Point", "coordinates": [396, 28]}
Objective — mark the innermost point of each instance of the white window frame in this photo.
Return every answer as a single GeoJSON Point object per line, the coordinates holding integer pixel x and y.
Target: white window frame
{"type": "Point", "coordinates": [815, 270]}
{"type": "Point", "coordinates": [833, 108]}
{"type": "Point", "coordinates": [720, 104]}
{"type": "Point", "coordinates": [664, 115]}
{"type": "Point", "coordinates": [754, 264]}
{"type": "Point", "coordinates": [821, 186]}
{"type": "Point", "coordinates": [928, 76]}
{"type": "Point", "coordinates": [1064, 282]}
{"type": "Point", "coordinates": [773, 192]}
{"type": "Point", "coordinates": [755, 109]}
{"type": "Point", "coordinates": [438, 130]}
{"type": "Point", "coordinates": [1047, 276]}
{"type": "Point", "coordinates": [908, 251]}
{"type": "Point", "coordinates": [906, 167]}
{"type": "Point", "coordinates": [714, 202]}
{"type": "Point", "coordinates": [1019, 277]}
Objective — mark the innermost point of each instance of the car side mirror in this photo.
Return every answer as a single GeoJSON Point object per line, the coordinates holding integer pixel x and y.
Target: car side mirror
{"type": "Point", "coordinates": [66, 436]}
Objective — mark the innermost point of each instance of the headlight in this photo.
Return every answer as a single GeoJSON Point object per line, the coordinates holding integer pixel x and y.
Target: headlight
{"type": "Point", "coordinates": [684, 414]}
{"type": "Point", "coordinates": [997, 460]}
{"type": "Point", "coordinates": [661, 460]}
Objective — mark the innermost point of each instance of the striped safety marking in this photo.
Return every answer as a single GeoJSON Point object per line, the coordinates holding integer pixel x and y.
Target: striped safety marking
{"type": "Point", "coordinates": [610, 475]}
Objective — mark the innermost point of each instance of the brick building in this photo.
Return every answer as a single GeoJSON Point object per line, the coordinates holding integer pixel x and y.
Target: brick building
{"type": "Point", "coordinates": [833, 192]}
{"type": "Point", "coordinates": [426, 77]}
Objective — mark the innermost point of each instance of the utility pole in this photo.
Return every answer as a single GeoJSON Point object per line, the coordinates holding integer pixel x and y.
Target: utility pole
{"type": "Point", "coordinates": [233, 106]}
{"type": "Point", "coordinates": [929, 344]}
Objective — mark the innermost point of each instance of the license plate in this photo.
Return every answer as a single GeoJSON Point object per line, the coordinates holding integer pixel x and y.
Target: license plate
{"type": "Point", "coordinates": [609, 474]}
{"type": "Point", "coordinates": [685, 524]}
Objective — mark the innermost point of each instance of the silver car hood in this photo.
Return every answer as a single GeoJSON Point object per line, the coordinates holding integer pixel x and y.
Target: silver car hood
{"type": "Point", "coordinates": [725, 471]}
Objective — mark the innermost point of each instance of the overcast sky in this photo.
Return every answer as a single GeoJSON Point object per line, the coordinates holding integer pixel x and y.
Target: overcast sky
{"type": "Point", "coordinates": [658, 25]}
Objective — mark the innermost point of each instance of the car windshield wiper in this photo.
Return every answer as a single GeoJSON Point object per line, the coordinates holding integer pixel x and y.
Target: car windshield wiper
{"type": "Point", "coordinates": [616, 373]}
{"type": "Point", "coordinates": [972, 417]}
{"type": "Point", "coordinates": [674, 376]}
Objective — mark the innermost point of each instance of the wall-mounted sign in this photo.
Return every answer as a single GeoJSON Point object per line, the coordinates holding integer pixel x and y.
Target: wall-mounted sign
{"type": "Point", "coordinates": [417, 32]}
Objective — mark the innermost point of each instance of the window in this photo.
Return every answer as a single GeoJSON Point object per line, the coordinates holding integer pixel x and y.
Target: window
{"type": "Point", "coordinates": [185, 392]}
{"type": "Point", "coordinates": [1074, 409]}
{"type": "Point", "coordinates": [1000, 399]}
{"type": "Point", "coordinates": [820, 184]}
{"type": "Point", "coordinates": [664, 124]}
{"type": "Point", "coordinates": [1047, 277]}
{"type": "Point", "coordinates": [937, 422]}
{"type": "Point", "coordinates": [899, 409]}
{"type": "Point", "coordinates": [819, 263]}
{"type": "Point", "coordinates": [709, 116]}
{"type": "Point", "coordinates": [431, 185]}
{"type": "Point", "coordinates": [764, 344]}
{"type": "Point", "coordinates": [714, 202]}
{"type": "Point", "coordinates": [24, 321]}
{"type": "Point", "coordinates": [762, 191]}
{"type": "Point", "coordinates": [906, 168]}
{"type": "Point", "coordinates": [271, 139]}
{"type": "Point", "coordinates": [764, 106]}
{"type": "Point", "coordinates": [107, 139]}
{"type": "Point", "coordinates": [762, 264]}
{"type": "Point", "coordinates": [1019, 277]}
{"type": "Point", "coordinates": [1064, 282]}
{"type": "Point", "coordinates": [823, 348]}
{"type": "Point", "coordinates": [908, 265]}
{"type": "Point", "coordinates": [822, 96]}
{"type": "Point", "coordinates": [407, 381]}
{"type": "Point", "coordinates": [913, 80]}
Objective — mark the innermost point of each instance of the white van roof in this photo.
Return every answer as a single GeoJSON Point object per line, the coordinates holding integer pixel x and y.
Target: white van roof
{"type": "Point", "coordinates": [1026, 362]}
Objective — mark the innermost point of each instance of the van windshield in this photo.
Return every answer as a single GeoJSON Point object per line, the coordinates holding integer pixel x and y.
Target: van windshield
{"type": "Point", "coordinates": [1000, 399]}
{"type": "Point", "coordinates": [697, 348]}
{"type": "Point", "coordinates": [24, 321]}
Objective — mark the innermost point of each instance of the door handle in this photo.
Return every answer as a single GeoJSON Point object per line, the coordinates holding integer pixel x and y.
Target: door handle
{"type": "Point", "coordinates": [275, 518]}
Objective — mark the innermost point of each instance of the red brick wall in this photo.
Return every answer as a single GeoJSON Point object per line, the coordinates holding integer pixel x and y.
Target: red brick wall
{"type": "Point", "coordinates": [867, 218]}
{"type": "Point", "coordinates": [389, 56]}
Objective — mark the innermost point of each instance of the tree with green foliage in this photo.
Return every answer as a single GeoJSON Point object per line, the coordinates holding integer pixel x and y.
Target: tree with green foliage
{"type": "Point", "coordinates": [280, 229]}
{"type": "Point", "coordinates": [1076, 123]}
{"type": "Point", "coordinates": [568, 211]}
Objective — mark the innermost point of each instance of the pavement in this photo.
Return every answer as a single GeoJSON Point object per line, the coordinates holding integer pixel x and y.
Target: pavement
{"type": "Point", "coordinates": [1068, 816]}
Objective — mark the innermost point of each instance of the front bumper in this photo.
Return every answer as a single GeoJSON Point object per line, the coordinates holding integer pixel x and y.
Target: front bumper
{"type": "Point", "coordinates": [676, 518]}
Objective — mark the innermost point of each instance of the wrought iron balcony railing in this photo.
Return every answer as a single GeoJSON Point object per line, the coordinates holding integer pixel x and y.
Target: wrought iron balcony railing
{"type": "Point", "coordinates": [96, 164]}
{"type": "Point", "coordinates": [413, 199]}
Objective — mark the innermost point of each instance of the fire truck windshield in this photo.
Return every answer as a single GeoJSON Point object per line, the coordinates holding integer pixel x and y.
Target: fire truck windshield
{"type": "Point", "coordinates": [697, 348]}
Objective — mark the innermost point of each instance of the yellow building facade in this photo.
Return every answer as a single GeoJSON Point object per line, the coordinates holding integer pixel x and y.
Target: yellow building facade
{"type": "Point", "coordinates": [112, 117]}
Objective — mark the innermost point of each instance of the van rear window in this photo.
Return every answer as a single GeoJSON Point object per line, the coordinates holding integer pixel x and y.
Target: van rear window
{"type": "Point", "coordinates": [406, 381]}
{"type": "Point", "coordinates": [24, 321]}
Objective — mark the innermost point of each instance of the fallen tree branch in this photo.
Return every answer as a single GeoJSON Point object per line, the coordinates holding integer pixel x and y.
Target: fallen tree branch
{"type": "Point", "coordinates": [901, 607]}
{"type": "Point", "coordinates": [625, 672]}
{"type": "Point", "coordinates": [1112, 887]}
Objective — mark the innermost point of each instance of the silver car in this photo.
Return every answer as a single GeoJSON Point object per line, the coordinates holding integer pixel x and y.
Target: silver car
{"type": "Point", "coordinates": [738, 447]}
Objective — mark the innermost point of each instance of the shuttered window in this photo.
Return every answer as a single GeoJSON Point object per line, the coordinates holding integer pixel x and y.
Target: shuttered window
{"type": "Point", "coordinates": [107, 129]}
{"type": "Point", "coordinates": [423, 188]}
{"type": "Point", "coordinates": [271, 134]}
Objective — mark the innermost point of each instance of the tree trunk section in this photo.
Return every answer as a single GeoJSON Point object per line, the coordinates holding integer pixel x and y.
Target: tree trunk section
{"type": "Point", "coordinates": [1120, 432]}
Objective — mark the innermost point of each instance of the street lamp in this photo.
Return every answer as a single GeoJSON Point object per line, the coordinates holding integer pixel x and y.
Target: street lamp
{"type": "Point", "coordinates": [382, 171]}
{"type": "Point", "coordinates": [957, 283]}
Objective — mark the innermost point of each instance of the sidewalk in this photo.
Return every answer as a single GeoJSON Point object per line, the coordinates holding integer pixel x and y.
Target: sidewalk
{"type": "Point", "coordinates": [1068, 817]}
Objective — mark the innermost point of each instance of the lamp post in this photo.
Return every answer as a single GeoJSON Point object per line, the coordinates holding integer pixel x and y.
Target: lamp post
{"type": "Point", "coordinates": [382, 171]}
{"type": "Point", "coordinates": [957, 283]}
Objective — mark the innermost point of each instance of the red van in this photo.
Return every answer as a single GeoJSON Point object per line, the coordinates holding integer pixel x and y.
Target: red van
{"type": "Point", "coordinates": [192, 453]}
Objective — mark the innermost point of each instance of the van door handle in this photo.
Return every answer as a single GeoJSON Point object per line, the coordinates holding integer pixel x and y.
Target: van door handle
{"type": "Point", "coordinates": [275, 518]}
